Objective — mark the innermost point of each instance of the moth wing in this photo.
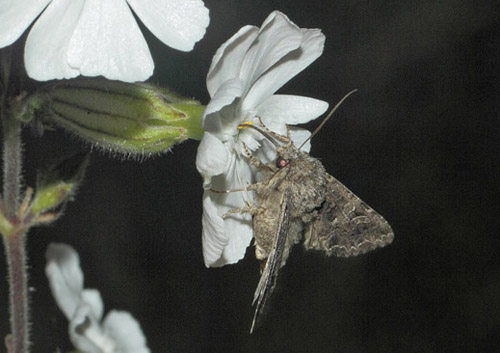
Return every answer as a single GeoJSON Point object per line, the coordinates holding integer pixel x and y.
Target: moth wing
{"type": "Point", "coordinates": [269, 275]}
{"type": "Point", "coordinates": [346, 226]}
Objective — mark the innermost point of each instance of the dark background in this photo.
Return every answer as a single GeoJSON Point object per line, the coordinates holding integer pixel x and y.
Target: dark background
{"type": "Point", "coordinates": [419, 142]}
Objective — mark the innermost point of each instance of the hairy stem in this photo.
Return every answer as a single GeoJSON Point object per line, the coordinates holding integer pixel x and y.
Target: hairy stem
{"type": "Point", "coordinates": [14, 239]}
{"type": "Point", "coordinates": [11, 164]}
{"type": "Point", "coordinates": [18, 296]}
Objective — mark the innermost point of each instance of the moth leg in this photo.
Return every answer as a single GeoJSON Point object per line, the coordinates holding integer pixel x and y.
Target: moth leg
{"type": "Point", "coordinates": [288, 133]}
{"type": "Point", "coordinates": [251, 187]}
{"type": "Point", "coordinates": [261, 254]}
{"type": "Point", "coordinates": [252, 209]}
{"type": "Point", "coordinates": [228, 191]}
{"type": "Point", "coordinates": [255, 161]}
{"type": "Point", "coordinates": [274, 134]}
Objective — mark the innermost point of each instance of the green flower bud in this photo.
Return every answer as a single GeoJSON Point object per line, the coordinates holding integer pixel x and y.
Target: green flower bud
{"type": "Point", "coordinates": [122, 117]}
{"type": "Point", "coordinates": [56, 185]}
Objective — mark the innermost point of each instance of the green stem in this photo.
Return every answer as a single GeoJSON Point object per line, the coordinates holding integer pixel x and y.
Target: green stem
{"type": "Point", "coordinates": [14, 244]}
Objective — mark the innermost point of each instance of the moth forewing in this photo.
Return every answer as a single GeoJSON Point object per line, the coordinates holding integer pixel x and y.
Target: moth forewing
{"type": "Point", "coordinates": [273, 263]}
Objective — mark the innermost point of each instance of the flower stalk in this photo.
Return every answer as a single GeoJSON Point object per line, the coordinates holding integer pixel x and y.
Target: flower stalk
{"type": "Point", "coordinates": [18, 341]}
{"type": "Point", "coordinates": [12, 164]}
{"type": "Point", "coordinates": [13, 233]}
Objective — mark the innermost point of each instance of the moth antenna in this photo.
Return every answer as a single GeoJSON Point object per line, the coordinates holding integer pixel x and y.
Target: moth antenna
{"type": "Point", "coordinates": [327, 117]}
{"type": "Point", "coordinates": [264, 133]}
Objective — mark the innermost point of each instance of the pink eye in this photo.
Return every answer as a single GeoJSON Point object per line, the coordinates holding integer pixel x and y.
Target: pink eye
{"type": "Point", "coordinates": [281, 162]}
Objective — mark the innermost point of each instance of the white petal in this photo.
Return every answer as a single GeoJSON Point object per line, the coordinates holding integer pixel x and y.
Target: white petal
{"type": "Point", "coordinates": [240, 231]}
{"type": "Point", "coordinates": [240, 235]}
{"type": "Point", "coordinates": [289, 66]}
{"type": "Point", "coordinates": [178, 24]}
{"type": "Point", "coordinates": [16, 16]}
{"type": "Point", "coordinates": [126, 332]}
{"type": "Point", "coordinates": [267, 152]}
{"type": "Point", "coordinates": [277, 38]}
{"type": "Point", "coordinates": [87, 335]}
{"type": "Point", "coordinates": [93, 299]}
{"type": "Point", "coordinates": [212, 157]}
{"type": "Point", "coordinates": [278, 110]}
{"type": "Point", "coordinates": [226, 63]}
{"type": "Point", "coordinates": [225, 241]}
{"type": "Point", "coordinates": [46, 47]}
{"type": "Point", "coordinates": [214, 237]}
{"type": "Point", "coordinates": [298, 137]}
{"type": "Point", "coordinates": [225, 95]}
{"type": "Point", "coordinates": [107, 41]}
{"type": "Point", "coordinates": [231, 245]}
{"type": "Point", "coordinates": [221, 116]}
{"type": "Point", "coordinates": [65, 277]}
{"type": "Point", "coordinates": [251, 138]}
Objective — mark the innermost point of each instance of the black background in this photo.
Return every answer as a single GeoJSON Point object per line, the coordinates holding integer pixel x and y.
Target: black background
{"type": "Point", "coordinates": [419, 143]}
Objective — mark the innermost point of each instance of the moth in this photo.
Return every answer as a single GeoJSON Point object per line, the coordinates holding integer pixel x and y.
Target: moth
{"type": "Point", "coordinates": [296, 199]}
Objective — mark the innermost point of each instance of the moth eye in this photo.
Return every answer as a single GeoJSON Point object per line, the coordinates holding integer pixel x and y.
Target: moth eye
{"type": "Point", "coordinates": [281, 162]}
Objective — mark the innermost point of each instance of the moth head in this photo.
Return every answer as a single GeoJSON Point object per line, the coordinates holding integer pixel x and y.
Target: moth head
{"type": "Point", "coordinates": [286, 153]}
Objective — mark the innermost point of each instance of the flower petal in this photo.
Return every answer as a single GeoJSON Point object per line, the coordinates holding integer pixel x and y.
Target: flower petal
{"type": "Point", "coordinates": [46, 47]}
{"type": "Point", "coordinates": [277, 38]}
{"type": "Point", "coordinates": [179, 24]}
{"type": "Point", "coordinates": [226, 63]}
{"type": "Point", "coordinates": [298, 137]}
{"type": "Point", "coordinates": [214, 237]}
{"type": "Point", "coordinates": [107, 41]}
{"type": "Point", "coordinates": [126, 332]}
{"type": "Point", "coordinates": [241, 233]}
{"type": "Point", "coordinates": [212, 157]}
{"type": "Point", "coordinates": [278, 110]}
{"type": "Point", "coordinates": [87, 335]}
{"type": "Point", "coordinates": [225, 95]}
{"type": "Point", "coordinates": [93, 299]}
{"type": "Point", "coordinates": [289, 66]}
{"type": "Point", "coordinates": [16, 16]}
{"type": "Point", "coordinates": [65, 277]}
{"type": "Point", "coordinates": [225, 241]}
{"type": "Point", "coordinates": [221, 115]}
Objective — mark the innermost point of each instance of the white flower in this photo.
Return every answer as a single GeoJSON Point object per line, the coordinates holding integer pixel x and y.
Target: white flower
{"type": "Point", "coordinates": [98, 37]}
{"type": "Point", "coordinates": [119, 332]}
{"type": "Point", "coordinates": [245, 73]}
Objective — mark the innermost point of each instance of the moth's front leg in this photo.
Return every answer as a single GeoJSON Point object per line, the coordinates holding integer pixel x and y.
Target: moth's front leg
{"type": "Point", "coordinates": [257, 187]}
{"type": "Point", "coordinates": [250, 208]}
{"type": "Point", "coordinates": [257, 162]}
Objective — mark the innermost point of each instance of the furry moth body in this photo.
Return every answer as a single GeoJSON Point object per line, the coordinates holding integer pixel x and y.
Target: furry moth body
{"type": "Point", "coordinates": [296, 199]}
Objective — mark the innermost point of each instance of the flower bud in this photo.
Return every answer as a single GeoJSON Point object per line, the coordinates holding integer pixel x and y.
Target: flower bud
{"type": "Point", "coordinates": [56, 185]}
{"type": "Point", "coordinates": [134, 119]}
